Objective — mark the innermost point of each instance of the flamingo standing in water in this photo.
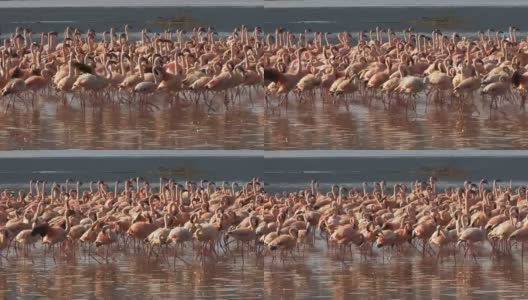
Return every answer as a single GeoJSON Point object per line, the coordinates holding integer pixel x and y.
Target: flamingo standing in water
{"type": "Point", "coordinates": [53, 235]}
{"type": "Point", "coordinates": [521, 236]}
{"type": "Point", "coordinates": [106, 237]}
{"type": "Point", "coordinates": [24, 237]}
{"type": "Point", "coordinates": [286, 81]}
{"type": "Point", "coordinates": [14, 88]}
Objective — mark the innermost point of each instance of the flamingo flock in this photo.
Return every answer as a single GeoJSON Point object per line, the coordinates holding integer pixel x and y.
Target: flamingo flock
{"type": "Point", "coordinates": [230, 220]}
{"type": "Point", "coordinates": [394, 69]}
{"type": "Point", "coordinates": [109, 67]}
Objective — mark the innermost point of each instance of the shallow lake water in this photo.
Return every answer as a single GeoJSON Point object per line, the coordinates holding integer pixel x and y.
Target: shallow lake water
{"type": "Point", "coordinates": [54, 126]}
{"type": "Point", "coordinates": [314, 124]}
{"type": "Point", "coordinates": [311, 125]}
{"type": "Point", "coordinates": [317, 274]}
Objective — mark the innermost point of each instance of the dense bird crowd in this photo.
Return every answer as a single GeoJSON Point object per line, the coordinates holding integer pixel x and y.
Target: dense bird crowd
{"type": "Point", "coordinates": [170, 218]}
{"type": "Point", "coordinates": [382, 64]}
{"type": "Point", "coordinates": [110, 67]}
